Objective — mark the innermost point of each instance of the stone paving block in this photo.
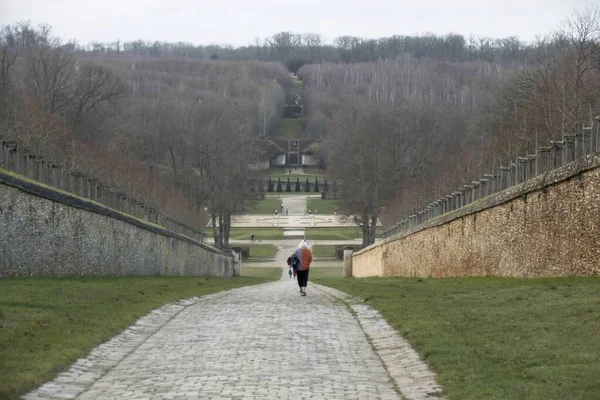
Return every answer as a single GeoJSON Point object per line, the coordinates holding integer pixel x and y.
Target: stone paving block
{"type": "Point", "coordinates": [259, 342]}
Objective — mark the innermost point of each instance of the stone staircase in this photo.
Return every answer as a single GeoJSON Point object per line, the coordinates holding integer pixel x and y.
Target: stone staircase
{"type": "Point", "coordinates": [293, 233]}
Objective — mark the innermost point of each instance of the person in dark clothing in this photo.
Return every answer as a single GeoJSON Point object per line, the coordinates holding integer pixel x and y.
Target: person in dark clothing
{"type": "Point", "coordinates": [304, 256]}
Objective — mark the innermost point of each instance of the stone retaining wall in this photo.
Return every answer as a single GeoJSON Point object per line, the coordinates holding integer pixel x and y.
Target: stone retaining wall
{"type": "Point", "coordinates": [547, 226]}
{"type": "Point", "coordinates": [45, 232]}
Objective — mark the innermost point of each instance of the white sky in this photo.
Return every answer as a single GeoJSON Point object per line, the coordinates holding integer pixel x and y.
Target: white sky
{"type": "Point", "coordinates": [238, 22]}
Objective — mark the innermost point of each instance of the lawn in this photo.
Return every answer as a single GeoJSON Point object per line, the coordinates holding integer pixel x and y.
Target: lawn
{"type": "Point", "coordinates": [261, 272]}
{"type": "Point", "coordinates": [290, 128]}
{"type": "Point", "coordinates": [313, 171]}
{"type": "Point", "coordinates": [323, 250]}
{"type": "Point", "coordinates": [318, 273]}
{"type": "Point", "coordinates": [260, 233]}
{"type": "Point", "coordinates": [265, 206]}
{"type": "Point", "coordinates": [332, 233]}
{"type": "Point", "coordinates": [262, 250]}
{"type": "Point", "coordinates": [323, 206]}
{"type": "Point", "coordinates": [48, 323]}
{"type": "Point", "coordinates": [495, 338]}
{"type": "Point", "coordinates": [259, 250]}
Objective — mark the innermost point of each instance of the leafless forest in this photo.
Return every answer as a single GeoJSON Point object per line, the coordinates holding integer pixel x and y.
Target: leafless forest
{"type": "Point", "coordinates": [400, 120]}
{"type": "Point", "coordinates": [402, 132]}
{"type": "Point", "coordinates": [178, 134]}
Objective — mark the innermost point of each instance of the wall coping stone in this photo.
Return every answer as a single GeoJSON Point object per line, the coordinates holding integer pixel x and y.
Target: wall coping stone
{"type": "Point", "coordinates": [521, 190]}
{"type": "Point", "coordinates": [49, 193]}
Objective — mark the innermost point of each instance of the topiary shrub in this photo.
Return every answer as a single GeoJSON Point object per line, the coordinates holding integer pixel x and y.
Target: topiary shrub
{"type": "Point", "coordinates": [316, 185]}
{"type": "Point", "coordinates": [288, 187]}
{"type": "Point", "coordinates": [298, 188]}
{"type": "Point", "coordinates": [279, 189]}
{"type": "Point", "coordinates": [270, 186]}
{"type": "Point", "coordinates": [307, 187]}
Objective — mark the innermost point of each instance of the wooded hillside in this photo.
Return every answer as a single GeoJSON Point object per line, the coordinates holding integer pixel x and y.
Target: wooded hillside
{"type": "Point", "coordinates": [168, 131]}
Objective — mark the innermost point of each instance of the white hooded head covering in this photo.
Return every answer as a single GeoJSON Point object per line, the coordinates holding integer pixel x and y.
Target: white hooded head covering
{"type": "Point", "coordinates": [303, 245]}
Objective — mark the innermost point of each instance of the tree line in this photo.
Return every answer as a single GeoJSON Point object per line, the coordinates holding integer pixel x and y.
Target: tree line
{"type": "Point", "coordinates": [400, 133]}
{"type": "Point", "coordinates": [401, 120]}
{"type": "Point", "coordinates": [178, 134]}
{"type": "Point", "coordinates": [297, 49]}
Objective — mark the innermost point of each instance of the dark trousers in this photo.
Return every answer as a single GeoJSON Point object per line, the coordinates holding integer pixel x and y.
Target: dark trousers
{"type": "Point", "coordinates": [303, 278]}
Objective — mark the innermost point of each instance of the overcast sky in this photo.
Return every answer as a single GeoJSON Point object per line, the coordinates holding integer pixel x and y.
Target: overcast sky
{"type": "Point", "coordinates": [238, 22]}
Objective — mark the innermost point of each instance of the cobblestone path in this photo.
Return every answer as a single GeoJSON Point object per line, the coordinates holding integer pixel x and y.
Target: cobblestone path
{"type": "Point", "coordinates": [259, 342]}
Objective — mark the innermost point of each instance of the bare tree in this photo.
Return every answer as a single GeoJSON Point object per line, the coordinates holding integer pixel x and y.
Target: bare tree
{"type": "Point", "coordinates": [8, 53]}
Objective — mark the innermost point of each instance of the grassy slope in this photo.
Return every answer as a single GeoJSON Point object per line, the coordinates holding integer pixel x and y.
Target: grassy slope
{"type": "Point", "coordinates": [290, 128]}
{"type": "Point", "coordinates": [318, 273]}
{"type": "Point", "coordinates": [323, 206]}
{"type": "Point", "coordinates": [495, 338]}
{"type": "Point", "coordinates": [332, 233]}
{"type": "Point", "coordinates": [323, 250]}
{"type": "Point", "coordinates": [261, 272]}
{"type": "Point", "coordinates": [261, 233]}
{"type": "Point", "coordinates": [265, 206]}
{"type": "Point", "coordinates": [259, 250]}
{"type": "Point", "coordinates": [47, 323]}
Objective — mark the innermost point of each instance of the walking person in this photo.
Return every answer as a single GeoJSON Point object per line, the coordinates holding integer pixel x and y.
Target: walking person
{"type": "Point", "coordinates": [304, 256]}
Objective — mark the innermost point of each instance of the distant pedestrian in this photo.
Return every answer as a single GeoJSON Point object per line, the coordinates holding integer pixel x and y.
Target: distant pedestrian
{"type": "Point", "coordinates": [304, 256]}
{"type": "Point", "coordinates": [276, 211]}
{"type": "Point", "coordinates": [308, 211]}
{"type": "Point", "coordinates": [286, 211]}
{"type": "Point", "coordinates": [290, 272]}
{"type": "Point", "coordinates": [252, 238]}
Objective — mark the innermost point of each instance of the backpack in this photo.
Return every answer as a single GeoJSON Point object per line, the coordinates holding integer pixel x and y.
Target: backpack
{"type": "Point", "coordinates": [294, 262]}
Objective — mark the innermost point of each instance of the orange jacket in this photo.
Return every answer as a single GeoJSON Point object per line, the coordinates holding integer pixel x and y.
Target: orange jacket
{"type": "Point", "coordinates": [305, 257]}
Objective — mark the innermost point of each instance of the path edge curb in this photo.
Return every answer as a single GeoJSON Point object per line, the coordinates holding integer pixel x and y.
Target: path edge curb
{"type": "Point", "coordinates": [410, 375]}
{"type": "Point", "coordinates": [104, 357]}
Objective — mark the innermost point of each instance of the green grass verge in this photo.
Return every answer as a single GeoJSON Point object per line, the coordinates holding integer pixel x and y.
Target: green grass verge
{"type": "Point", "coordinates": [313, 171]}
{"type": "Point", "coordinates": [290, 128]}
{"type": "Point", "coordinates": [260, 233]}
{"type": "Point", "coordinates": [271, 274]}
{"type": "Point", "coordinates": [299, 86]}
{"type": "Point", "coordinates": [323, 250]}
{"type": "Point", "coordinates": [323, 206]}
{"type": "Point", "coordinates": [48, 323]}
{"type": "Point", "coordinates": [332, 233]}
{"type": "Point", "coordinates": [495, 338]}
{"type": "Point", "coordinates": [318, 273]}
{"type": "Point", "coordinates": [259, 250]}
{"type": "Point", "coordinates": [265, 206]}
